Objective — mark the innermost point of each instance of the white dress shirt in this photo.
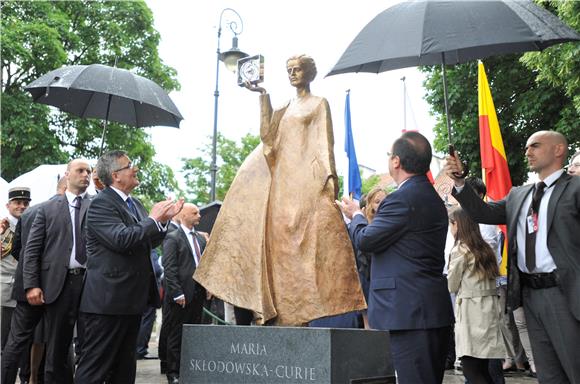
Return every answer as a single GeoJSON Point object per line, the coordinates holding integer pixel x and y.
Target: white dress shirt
{"type": "Point", "coordinates": [544, 260]}
{"type": "Point", "coordinates": [73, 263]}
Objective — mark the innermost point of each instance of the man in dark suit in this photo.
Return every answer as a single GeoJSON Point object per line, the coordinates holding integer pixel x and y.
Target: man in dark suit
{"type": "Point", "coordinates": [26, 316]}
{"type": "Point", "coordinates": [120, 282]}
{"type": "Point", "coordinates": [408, 292]}
{"type": "Point", "coordinates": [184, 297]}
{"type": "Point", "coordinates": [543, 223]}
{"type": "Point", "coordinates": [54, 265]}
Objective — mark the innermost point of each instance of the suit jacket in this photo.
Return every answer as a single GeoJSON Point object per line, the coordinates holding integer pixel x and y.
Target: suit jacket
{"type": "Point", "coordinates": [119, 278]}
{"type": "Point", "coordinates": [48, 249]}
{"type": "Point", "coordinates": [179, 265]}
{"type": "Point", "coordinates": [407, 239]}
{"type": "Point", "coordinates": [563, 233]}
{"type": "Point", "coordinates": [20, 238]}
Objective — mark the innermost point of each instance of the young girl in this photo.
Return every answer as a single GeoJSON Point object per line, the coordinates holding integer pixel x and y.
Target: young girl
{"type": "Point", "coordinates": [472, 272]}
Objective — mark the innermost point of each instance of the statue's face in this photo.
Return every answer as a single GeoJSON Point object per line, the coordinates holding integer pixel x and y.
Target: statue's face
{"type": "Point", "coordinates": [296, 74]}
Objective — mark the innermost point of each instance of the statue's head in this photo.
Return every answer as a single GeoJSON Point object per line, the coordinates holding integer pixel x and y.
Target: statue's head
{"type": "Point", "coordinates": [307, 64]}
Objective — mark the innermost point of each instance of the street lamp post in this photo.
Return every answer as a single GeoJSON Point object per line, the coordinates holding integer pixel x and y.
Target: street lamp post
{"type": "Point", "coordinates": [229, 58]}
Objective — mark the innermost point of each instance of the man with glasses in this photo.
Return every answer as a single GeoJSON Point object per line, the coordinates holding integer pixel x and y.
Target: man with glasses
{"type": "Point", "coordinates": [408, 292]}
{"type": "Point", "coordinates": [120, 281]}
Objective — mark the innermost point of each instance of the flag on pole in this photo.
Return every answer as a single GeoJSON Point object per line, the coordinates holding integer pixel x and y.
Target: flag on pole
{"type": "Point", "coordinates": [495, 171]}
{"type": "Point", "coordinates": [354, 181]}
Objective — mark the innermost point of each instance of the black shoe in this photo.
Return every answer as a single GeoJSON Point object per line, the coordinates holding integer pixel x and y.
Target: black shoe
{"type": "Point", "coordinates": [172, 379]}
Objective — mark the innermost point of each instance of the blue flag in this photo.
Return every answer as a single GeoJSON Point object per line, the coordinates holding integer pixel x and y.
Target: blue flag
{"type": "Point", "coordinates": [354, 181]}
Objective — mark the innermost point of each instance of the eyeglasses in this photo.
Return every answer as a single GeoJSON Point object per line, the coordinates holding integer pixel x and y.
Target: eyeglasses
{"type": "Point", "coordinates": [128, 166]}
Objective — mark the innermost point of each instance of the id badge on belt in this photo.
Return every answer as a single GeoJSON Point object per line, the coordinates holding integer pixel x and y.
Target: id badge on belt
{"type": "Point", "coordinates": [532, 222]}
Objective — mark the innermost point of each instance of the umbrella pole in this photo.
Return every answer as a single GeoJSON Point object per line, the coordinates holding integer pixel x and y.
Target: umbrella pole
{"type": "Point", "coordinates": [447, 120]}
{"type": "Point", "coordinates": [105, 126]}
{"type": "Point", "coordinates": [445, 98]}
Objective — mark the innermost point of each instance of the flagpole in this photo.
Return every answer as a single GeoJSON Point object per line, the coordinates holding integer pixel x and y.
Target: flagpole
{"type": "Point", "coordinates": [404, 104]}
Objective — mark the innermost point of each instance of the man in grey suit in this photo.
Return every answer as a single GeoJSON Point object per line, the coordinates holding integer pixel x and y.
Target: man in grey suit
{"type": "Point", "coordinates": [26, 316]}
{"type": "Point", "coordinates": [184, 297]}
{"type": "Point", "coordinates": [543, 222]}
{"type": "Point", "coordinates": [54, 265]}
{"type": "Point", "coordinates": [120, 282]}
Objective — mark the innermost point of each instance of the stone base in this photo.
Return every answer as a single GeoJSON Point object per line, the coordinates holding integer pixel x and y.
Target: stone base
{"type": "Point", "coordinates": [255, 354]}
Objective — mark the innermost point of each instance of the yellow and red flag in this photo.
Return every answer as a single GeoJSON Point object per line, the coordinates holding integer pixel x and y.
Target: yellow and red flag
{"type": "Point", "coordinates": [495, 171]}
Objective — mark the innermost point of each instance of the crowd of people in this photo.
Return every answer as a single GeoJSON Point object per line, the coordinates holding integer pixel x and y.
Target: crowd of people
{"type": "Point", "coordinates": [499, 323]}
{"type": "Point", "coordinates": [81, 279]}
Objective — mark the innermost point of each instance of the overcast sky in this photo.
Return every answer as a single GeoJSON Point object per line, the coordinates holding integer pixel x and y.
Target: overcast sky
{"type": "Point", "coordinates": [322, 29]}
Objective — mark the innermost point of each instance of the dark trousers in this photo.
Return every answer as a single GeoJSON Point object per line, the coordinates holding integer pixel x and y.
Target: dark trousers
{"type": "Point", "coordinates": [476, 371]}
{"type": "Point", "coordinates": [147, 321]}
{"type": "Point", "coordinates": [24, 320]}
{"type": "Point", "coordinates": [419, 354]}
{"type": "Point", "coordinates": [108, 350]}
{"type": "Point", "coordinates": [176, 317]}
{"type": "Point", "coordinates": [6, 318]}
{"type": "Point", "coordinates": [163, 332]}
{"type": "Point", "coordinates": [61, 317]}
{"type": "Point", "coordinates": [243, 316]}
{"type": "Point", "coordinates": [554, 335]}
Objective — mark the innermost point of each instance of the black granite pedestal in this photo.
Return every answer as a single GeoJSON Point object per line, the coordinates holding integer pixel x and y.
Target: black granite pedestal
{"type": "Point", "coordinates": [244, 354]}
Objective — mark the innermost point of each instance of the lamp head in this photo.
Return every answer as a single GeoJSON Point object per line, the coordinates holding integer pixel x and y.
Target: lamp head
{"type": "Point", "coordinates": [230, 58]}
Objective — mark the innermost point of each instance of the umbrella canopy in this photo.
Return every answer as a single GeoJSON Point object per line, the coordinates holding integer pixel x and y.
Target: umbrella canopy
{"type": "Point", "coordinates": [108, 93]}
{"type": "Point", "coordinates": [417, 33]}
{"type": "Point", "coordinates": [424, 32]}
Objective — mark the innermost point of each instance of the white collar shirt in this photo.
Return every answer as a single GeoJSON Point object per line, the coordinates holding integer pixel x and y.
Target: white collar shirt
{"type": "Point", "coordinates": [544, 260]}
{"type": "Point", "coordinates": [73, 263]}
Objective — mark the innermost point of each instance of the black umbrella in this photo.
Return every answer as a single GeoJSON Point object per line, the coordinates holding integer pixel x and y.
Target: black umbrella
{"type": "Point", "coordinates": [103, 92]}
{"type": "Point", "coordinates": [450, 32]}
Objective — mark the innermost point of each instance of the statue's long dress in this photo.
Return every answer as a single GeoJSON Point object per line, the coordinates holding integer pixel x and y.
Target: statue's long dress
{"type": "Point", "coordinates": [279, 246]}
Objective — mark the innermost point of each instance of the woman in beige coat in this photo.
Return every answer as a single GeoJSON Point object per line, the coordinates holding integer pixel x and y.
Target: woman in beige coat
{"type": "Point", "coordinates": [472, 272]}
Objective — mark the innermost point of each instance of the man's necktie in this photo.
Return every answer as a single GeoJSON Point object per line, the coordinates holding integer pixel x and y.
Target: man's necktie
{"type": "Point", "coordinates": [80, 250]}
{"type": "Point", "coordinates": [532, 226]}
{"type": "Point", "coordinates": [132, 207]}
{"type": "Point", "coordinates": [197, 252]}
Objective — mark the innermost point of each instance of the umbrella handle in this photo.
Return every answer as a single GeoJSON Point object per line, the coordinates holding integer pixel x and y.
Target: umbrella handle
{"type": "Point", "coordinates": [464, 163]}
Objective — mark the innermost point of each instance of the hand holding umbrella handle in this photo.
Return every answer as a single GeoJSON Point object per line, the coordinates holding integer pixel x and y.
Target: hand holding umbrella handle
{"type": "Point", "coordinates": [464, 163]}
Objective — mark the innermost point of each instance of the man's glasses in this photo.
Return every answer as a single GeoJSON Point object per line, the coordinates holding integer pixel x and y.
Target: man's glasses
{"type": "Point", "coordinates": [128, 166]}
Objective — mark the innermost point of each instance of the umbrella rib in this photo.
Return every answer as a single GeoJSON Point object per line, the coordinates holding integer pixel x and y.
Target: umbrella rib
{"type": "Point", "coordinates": [83, 115]}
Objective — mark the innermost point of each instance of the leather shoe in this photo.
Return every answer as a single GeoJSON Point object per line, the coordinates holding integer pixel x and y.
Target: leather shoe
{"type": "Point", "coordinates": [172, 379]}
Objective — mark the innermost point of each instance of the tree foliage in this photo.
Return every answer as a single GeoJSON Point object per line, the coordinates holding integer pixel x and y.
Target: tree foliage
{"type": "Point", "coordinates": [531, 93]}
{"type": "Point", "coordinates": [230, 156]}
{"type": "Point", "coordinates": [39, 36]}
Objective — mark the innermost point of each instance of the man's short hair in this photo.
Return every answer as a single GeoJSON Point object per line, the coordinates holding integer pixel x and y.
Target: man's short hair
{"type": "Point", "coordinates": [478, 185]}
{"type": "Point", "coordinates": [107, 164]}
{"type": "Point", "coordinates": [414, 152]}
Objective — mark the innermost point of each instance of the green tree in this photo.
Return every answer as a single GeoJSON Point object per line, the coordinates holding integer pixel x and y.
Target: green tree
{"type": "Point", "coordinates": [560, 67]}
{"type": "Point", "coordinates": [526, 100]}
{"type": "Point", "coordinates": [230, 156]}
{"type": "Point", "coordinates": [37, 37]}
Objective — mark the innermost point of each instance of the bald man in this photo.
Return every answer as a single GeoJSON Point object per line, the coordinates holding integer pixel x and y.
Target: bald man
{"type": "Point", "coordinates": [54, 266]}
{"type": "Point", "coordinates": [184, 297]}
{"type": "Point", "coordinates": [543, 222]}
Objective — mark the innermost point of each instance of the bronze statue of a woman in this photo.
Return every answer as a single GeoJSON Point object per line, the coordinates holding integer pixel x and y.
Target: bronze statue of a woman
{"type": "Point", "coordinates": [279, 246]}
